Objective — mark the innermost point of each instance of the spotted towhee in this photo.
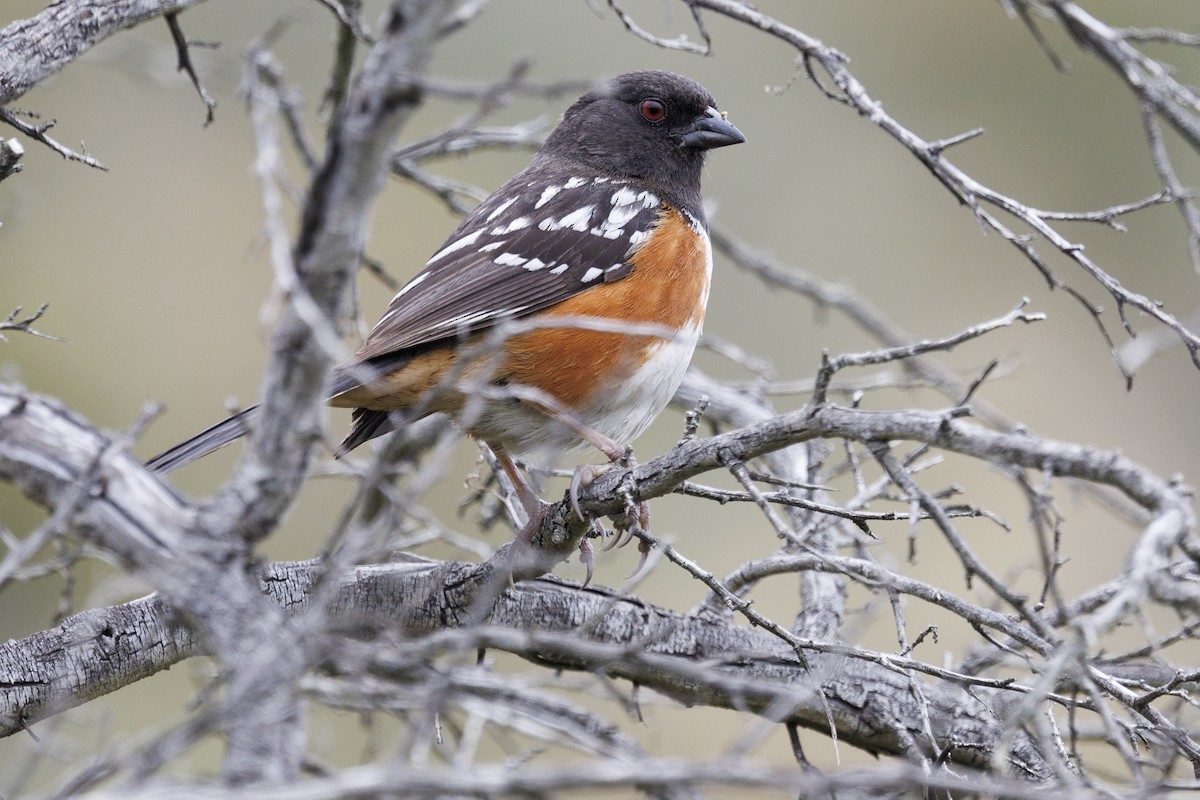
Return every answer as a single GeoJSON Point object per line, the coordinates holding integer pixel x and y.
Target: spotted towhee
{"type": "Point", "coordinates": [598, 252]}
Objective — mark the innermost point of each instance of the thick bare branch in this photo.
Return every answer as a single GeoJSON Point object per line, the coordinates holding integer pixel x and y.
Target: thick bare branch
{"type": "Point", "coordinates": [691, 658]}
{"type": "Point", "coordinates": [1149, 574]}
{"type": "Point", "coordinates": [33, 49]}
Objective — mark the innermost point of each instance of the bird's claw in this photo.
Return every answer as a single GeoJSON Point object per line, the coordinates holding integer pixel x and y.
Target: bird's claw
{"type": "Point", "coordinates": [644, 549]}
{"type": "Point", "coordinates": [586, 557]}
{"type": "Point", "coordinates": [636, 518]}
{"type": "Point", "coordinates": [584, 474]}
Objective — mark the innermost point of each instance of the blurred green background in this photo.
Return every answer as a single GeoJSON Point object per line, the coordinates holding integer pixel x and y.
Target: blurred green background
{"type": "Point", "coordinates": [156, 277]}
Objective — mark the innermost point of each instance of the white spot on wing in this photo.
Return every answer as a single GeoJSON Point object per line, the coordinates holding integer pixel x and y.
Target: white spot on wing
{"type": "Point", "coordinates": [592, 274]}
{"type": "Point", "coordinates": [517, 224]}
{"type": "Point", "coordinates": [510, 260]}
{"type": "Point", "coordinates": [575, 183]}
{"type": "Point", "coordinates": [535, 264]}
{"type": "Point", "coordinates": [626, 204]}
{"type": "Point", "coordinates": [466, 320]}
{"type": "Point", "coordinates": [500, 209]}
{"type": "Point", "coordinates": [547, 195]}
{"type": "Point", "coordinates": [490, 246]}
{"type": "Point", "coordinates": [560, 269]}
{"type": "Point", "coordinates": [457, 244]}
{"type": "Point", "coordinates": [577, 220]}
{"type": "Point", "coordinates": [406, 287]}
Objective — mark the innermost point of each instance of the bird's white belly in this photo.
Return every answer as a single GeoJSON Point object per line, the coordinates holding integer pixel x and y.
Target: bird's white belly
{"type": "Point", "coordinates": [621, 411]}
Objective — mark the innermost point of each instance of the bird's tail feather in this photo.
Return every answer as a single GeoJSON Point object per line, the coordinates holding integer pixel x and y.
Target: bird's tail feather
{"type": "Point", "coordinates": [366, 424]}
{"type": "Point", "coordinates": [203, 443]}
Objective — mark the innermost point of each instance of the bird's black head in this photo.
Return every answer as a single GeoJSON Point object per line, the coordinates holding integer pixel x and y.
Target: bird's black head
{"type": "Point", "coordinates": [651, 126]}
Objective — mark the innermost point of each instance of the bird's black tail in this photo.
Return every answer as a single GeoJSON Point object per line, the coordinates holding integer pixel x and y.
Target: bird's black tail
{"type": "Point", "coordinates": [203, 443]}
{"type": "Point", "coordinates": [365, 425]}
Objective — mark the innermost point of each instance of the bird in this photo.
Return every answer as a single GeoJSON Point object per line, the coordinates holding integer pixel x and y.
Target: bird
{"type": "Point", "coordinates": [596, 258]}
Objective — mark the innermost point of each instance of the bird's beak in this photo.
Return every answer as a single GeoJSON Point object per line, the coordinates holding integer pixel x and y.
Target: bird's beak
{"type": "Point", "coordinates": [711, 130]}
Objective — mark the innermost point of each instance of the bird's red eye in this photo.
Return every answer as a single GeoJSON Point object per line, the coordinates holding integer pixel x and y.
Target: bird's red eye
{"type": "Point", "coordinates": [653, 109]}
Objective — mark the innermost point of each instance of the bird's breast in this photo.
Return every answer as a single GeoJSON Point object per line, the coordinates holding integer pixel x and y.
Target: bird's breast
{"type": "Point", "coordinates": [618, 382]}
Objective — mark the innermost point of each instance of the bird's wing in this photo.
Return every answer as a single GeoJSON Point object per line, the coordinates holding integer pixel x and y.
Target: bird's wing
{"type": "Point", "coordinates": [531, 245]}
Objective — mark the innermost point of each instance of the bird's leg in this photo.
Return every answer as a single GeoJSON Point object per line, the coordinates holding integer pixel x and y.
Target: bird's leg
{"type": "Point", "coordinates": [637, 515]}
{"type": "Point", "coordinates": [535, 507]}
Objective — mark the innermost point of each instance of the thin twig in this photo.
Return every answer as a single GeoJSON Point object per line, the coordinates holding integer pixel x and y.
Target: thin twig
{"type": "Point", "coordinates": [11, 323]}
{"type": "Point", "coordinates": [680, 42]}
{"type": "Point", "coordinates": [183, 53]}
{"type": "Point", "coordinates": [38, 134]}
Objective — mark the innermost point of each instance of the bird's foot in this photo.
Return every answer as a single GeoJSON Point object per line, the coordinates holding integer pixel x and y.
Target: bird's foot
{"type": "Point", "coordinates": [636, 516]}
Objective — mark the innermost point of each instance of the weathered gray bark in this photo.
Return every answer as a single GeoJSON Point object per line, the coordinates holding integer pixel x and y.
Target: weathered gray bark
{"type": "Point", "coordinates": [713, 662]}
{"type": "Point", "coordinates": [695, 659]}
{"type": "Point", "coordinates": [33, 49]}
